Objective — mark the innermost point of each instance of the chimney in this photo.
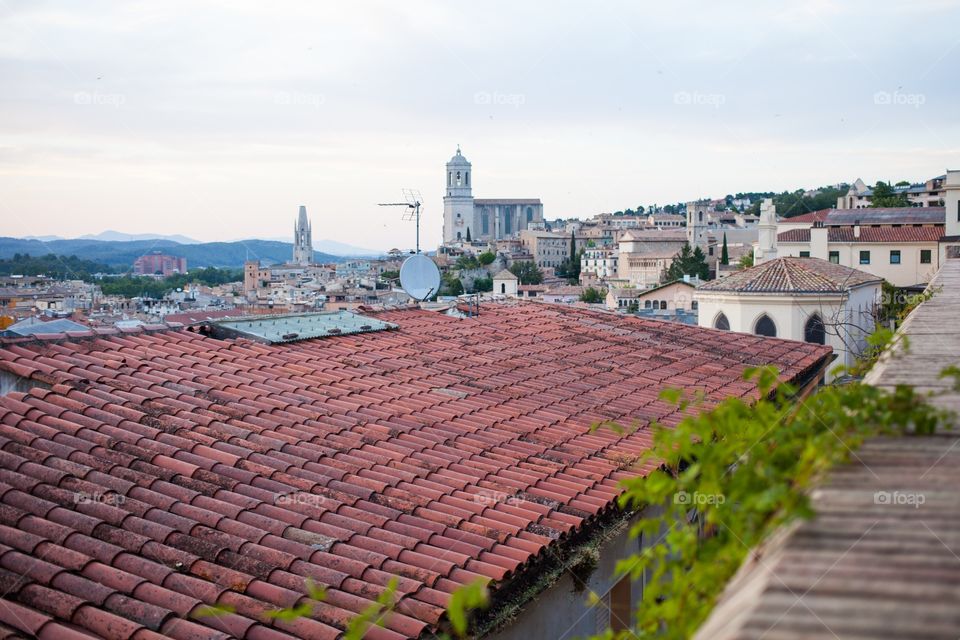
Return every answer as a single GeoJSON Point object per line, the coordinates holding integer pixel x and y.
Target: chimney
{"type": "Point", "coordinates": [856, 228]}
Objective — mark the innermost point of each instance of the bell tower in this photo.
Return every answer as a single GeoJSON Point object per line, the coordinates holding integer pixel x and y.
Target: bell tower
{"type": "Point", "coordinates": [458, 200]}
{"type": "Point", "coordinates": [302, 239]}
{"type": "Point", "coordinates": [697, 223]}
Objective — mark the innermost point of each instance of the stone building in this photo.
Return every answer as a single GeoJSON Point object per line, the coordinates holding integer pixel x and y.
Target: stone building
{"type": "Point", "coordinates": [302, 239]}
{"type": "Point", "coordinates": [482, 219]}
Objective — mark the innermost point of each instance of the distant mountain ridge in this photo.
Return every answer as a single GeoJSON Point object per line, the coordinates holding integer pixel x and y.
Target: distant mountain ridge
{"type": "Point", "coordinates": [121, 253]}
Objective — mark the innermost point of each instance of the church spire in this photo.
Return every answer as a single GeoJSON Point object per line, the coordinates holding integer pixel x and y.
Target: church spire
{"type": "Point", "coordinates": [302, 239]}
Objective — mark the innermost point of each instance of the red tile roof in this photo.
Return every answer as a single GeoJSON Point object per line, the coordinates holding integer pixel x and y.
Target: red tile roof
{"type": "Point", "coordinates": [164, 470]}
{"type": "Point", "coordinates": [868, 234]}
{"type": "Point", "coordinates": [792, 275]}
{"type": "Point", "coordinates": [813, 216]}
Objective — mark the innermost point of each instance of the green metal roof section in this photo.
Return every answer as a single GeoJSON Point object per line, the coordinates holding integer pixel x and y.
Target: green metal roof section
{"type": "Point", "coordinates": [299, 326]}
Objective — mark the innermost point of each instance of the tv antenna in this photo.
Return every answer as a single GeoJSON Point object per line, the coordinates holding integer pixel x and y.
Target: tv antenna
{"type": "Point", "coordinates": [413, 202]}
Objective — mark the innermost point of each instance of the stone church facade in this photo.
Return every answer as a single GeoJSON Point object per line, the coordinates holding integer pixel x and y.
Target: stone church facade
{"type": "Point", "coordinates": [486, 219]}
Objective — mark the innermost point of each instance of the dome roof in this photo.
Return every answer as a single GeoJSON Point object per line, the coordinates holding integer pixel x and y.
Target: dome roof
{"type": "Point", "coordinates": [459, 159]}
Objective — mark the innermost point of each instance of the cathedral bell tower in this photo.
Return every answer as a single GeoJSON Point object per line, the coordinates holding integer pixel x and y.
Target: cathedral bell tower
{"type": "Point", "coordinates": [458, 200]}
{"type": "Point", "coordinates": [302, 239]}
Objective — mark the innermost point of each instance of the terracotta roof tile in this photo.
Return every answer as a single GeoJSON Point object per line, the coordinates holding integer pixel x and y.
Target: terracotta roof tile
{"type": "Point", "coordinates": [217, 471]}
{"type": "Point", "coordinates": [794, 275]}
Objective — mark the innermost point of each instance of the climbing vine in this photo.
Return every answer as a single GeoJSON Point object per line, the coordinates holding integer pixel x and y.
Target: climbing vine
{"type": "Point", "coordinates": [731, 475]}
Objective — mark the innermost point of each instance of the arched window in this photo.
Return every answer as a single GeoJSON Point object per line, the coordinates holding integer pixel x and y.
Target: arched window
{"type": "Point", "coordinates": [467, 176]}
{"type": "Point", "coordinates": [721, 323]}
{"type": "Point", "coordinates": [458, 178]}
{"type": "Point", "coordinates": [529, 214]}
{"type": "Point", "coordinates": [508, 220]}
{"type": "Point", "coordinates": [484, 222]}
{"type": "Point", "coordinates": [450, 178]}
{"type": "Point", "coordinates": [765, 327]}
{"type": "Point", "coordinates": [814, 331]}
{"type": "Point", "coordinates": [503, 287]}
{"type": "Point", "coordinates": [647, 304]}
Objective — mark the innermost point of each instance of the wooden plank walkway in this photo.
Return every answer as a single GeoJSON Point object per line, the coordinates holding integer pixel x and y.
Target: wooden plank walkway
{"type": "Point", "coordinates": [882, 557]}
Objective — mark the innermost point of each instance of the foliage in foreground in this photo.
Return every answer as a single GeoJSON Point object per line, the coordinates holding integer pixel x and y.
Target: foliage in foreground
{"type": "Point", "coordinates": [746, 470]}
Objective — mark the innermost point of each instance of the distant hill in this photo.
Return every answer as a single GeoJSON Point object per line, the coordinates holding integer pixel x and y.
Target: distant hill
{"type": "Point", "coordinates": [121, 254]}
{"type": "Point", "coordinates": [117, 236]}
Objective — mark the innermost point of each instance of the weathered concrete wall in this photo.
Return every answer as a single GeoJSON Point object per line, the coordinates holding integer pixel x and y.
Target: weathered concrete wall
{"type": "Point", "coordinates": [563, 612]}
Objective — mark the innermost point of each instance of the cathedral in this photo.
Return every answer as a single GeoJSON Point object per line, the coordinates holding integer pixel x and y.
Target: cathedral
{"type": "Point", "coordinates": [302, 240]}
{"type": "Point", "coordinates": [482, 219]}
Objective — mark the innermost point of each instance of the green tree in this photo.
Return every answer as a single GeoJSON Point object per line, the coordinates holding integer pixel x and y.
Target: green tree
{"type": "Point", "coordinates": [746, 260]}
{"type": "Point", "coordinates": [468, 235]}
{"type": "Point", "coordinates": [450, 285]}
{"type": "Point", "coordinates": [886, 196]}
{"type": "Point", "coordinates": [466, 263]}
{"type": "Point", "coordinates": [481, 285]}
{"type": "Point", "coordinates": [527, 272]}
{"type": "Point", "coordinates": [724, 253]}
{"type": "Point", "coordinates": [487, 257]}
{"type": "Point", "coordinates": [690, 262]}
{"type": "Point", "coordinates": [591, 295]}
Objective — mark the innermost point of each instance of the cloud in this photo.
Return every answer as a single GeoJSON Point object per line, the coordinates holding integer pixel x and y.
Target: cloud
{"type": "Point", "coordinates": [218, 119]}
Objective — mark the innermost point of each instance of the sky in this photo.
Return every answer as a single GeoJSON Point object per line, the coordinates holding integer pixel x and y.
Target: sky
{"type": "Point", "coordinates": [217, 119]}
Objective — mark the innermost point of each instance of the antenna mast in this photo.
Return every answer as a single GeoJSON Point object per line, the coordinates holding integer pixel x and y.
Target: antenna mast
{"type": "Point", "coordinates": [413, 203]}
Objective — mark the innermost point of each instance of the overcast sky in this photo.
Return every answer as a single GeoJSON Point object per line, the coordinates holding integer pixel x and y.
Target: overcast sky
{"type": "Point", "coordinates": [217, 119]}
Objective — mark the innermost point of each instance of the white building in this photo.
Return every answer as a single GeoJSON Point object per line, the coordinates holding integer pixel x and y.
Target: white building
{"type": "Point", "coordinates": [923, 194]}
{"type": "Point", "coordinates": [599, 262]}
{"type": "Point", "coordinates": [490, 219]}
{"type": "Point", "coordinates": [804, 299]}
{"type": "Point", "coordinates": [505, 284]}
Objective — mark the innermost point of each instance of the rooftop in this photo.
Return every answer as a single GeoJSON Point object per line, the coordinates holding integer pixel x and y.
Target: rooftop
{"type": "Point", "coordinates": [154, 471]}
{"type": "Point", "coordinates": [494, 201]}
{"type": "Point", "coordinates": [792, 275]}
{"type": "Point", "coordinates": [868, 234]}
{"type": "Point", "coordinates": [881, 215]}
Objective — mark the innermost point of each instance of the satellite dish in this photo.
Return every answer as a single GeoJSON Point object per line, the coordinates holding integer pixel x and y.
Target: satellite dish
{"type": "Point", "coordinates": [419, 277]}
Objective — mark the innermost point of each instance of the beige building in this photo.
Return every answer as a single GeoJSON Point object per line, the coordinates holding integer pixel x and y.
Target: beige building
{"type": "Point", "coordinates": [644, 255]}
{"type": "Point", "coordinates": [549, 249]}
{"type": "Point", "coordinates": [901, 245]}
{"type": "Point", "coordinates": [668, 297]}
